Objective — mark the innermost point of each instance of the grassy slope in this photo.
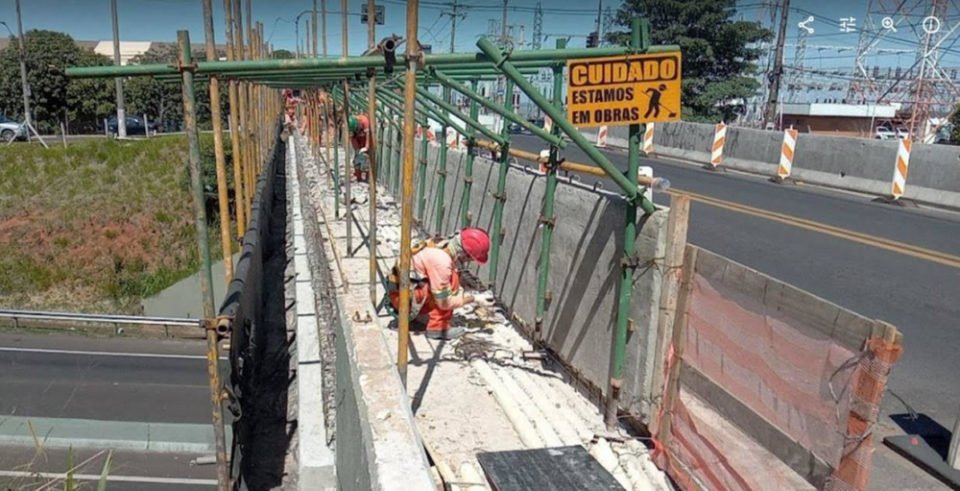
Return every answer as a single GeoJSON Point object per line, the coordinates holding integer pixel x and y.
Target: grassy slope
{"type": "Point", "coordinates": [95, 226]}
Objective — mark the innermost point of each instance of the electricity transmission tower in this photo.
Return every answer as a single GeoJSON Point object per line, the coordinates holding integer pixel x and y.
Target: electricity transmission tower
{"type": "Point", "coordinates": [538, 26]}
{"type": "Point", "coordinates": [925, 89]}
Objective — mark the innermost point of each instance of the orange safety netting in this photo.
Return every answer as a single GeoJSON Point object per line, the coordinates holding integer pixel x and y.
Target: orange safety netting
{"type": "Point", "coordinates": [819, 393]}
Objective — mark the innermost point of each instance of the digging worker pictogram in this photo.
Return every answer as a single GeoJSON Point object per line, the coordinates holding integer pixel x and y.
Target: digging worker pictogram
{"type": "Point", "coordinates": [435, 280]}
{"type": "Point", "coordinates": [359, 127]}
{"type": "Point", "coordinates": [653, 106]}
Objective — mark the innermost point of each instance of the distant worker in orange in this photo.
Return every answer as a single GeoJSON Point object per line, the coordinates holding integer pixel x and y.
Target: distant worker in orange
{"type": "Point", "coordinates": [290, 109]}
{"type": "Point", "coordinates": [435, 281]}
{"type": "Point", "coordinates": [359, 127]}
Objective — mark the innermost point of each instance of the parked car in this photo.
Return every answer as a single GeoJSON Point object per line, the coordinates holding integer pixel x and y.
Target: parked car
{"type": "Point", "coordinates": [11, 130]}
{"type": "Point", "coordinates": [135, 125]}
{"type": "Point", "coordinates": [515, 129]}
{"type": "Point", "coordinates": [902, 133]}
{"type": "Point", "coordinates": [885, 133]}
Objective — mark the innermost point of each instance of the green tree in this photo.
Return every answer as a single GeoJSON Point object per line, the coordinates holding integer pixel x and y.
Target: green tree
{"type": "Point", "coordinates": [89, 100]}
{"type": "Point", "coordinates": [162, 101]}
{"type": "Point", "coordinates": [719, 53]}
{"type": "Point", "coordinates": [954, 127]}
{"type": "Point", "coordinates": [51, 96]}
{"type": "Point", "coordinates": [282, 54]}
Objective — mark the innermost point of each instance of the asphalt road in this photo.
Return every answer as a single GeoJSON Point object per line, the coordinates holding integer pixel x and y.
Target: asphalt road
{"type": "Point", "coordinates": [915, 294]}
{"type": "Point", "coordinates": [78, 377]}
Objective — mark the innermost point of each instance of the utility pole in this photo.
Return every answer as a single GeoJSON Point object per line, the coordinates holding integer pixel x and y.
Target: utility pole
{"type": "Point", "coordinates": [121, 115]}
{"type": "Point", "coordinates": [503, 25]}
{"type": "Point", "coordinates": [323, 7]}
{"type": "Point", "coordinates": [454, 15]}
{"type": "Point", "coordinates": [773, 98]}
{"type": "Point", "coordinates": [314, 18]}
{"type": "Point", "coordinates": [599, 14]}
{"type": "Point", "coordinates": [538, 26]}
{"type": "Point", "coordinates": [23, 72]}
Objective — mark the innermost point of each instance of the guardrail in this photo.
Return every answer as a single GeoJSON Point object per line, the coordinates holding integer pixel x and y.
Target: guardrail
{"type": "Point", "coordinates": [62, 318]}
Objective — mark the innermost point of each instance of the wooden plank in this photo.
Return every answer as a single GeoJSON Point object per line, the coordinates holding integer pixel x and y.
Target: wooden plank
{"type": "Point", "coordinates": [558, 468]}
{"type": "Point", "coordinates": [810, 467]}
{"type": "Point", "coordinates": [679, 338]}
{"type": "Point", "coordinates": [677, 225]}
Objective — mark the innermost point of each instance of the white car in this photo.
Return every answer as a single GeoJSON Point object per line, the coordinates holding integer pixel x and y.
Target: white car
{"type": "Point", "coordinates": [884, 133]}
{"type": "Point", "coordinates": [903, 134]}
{"type": "Point", "coordinates": [11, 130]}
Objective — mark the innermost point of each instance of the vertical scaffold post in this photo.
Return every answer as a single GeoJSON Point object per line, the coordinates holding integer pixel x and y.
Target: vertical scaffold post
{"type": "Point", "coordinates": [219, 157]}
{"type": "Point", "coordinates": [465, 217]}
{"type": "Point", "coordinates": [497, 232]}
{"type": "Point", "coordinates": [414, 56]}
{"type": "Point", "coordinates": [238, 199]}
{"type": "Point", "coordinates": [442, 168]}
{"type": "Point", "coordinates": [629, 260]}
{"type": "Point", "coordinates": [371, 154]}
{"type": "Point", "coordinates": [206, 277]}
{"type": "Point", "coordinates": [347, 162]}
{"type": "Point", "coordinates": [547, 220]}
{"type": "Point", "coordinates": [336, 158]}
{"type": "Point", "coordinates": [422, 184]}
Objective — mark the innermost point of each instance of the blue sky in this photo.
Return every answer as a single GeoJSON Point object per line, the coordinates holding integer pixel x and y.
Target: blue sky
{"type": "Point", "coordinates": [158, 20]}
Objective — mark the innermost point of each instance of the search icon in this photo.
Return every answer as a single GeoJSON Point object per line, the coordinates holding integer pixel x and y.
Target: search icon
{"type": "Point", "coordinates": [887, 23]}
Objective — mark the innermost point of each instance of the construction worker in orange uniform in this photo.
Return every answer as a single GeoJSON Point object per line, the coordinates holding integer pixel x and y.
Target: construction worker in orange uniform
{"type": "Point", "coordinates": [359, 127]}
{"type": "Point", "coordinates": [435, 280]}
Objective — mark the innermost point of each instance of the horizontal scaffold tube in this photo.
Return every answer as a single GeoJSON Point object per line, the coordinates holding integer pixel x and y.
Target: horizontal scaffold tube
{"type": "Point", "coordinates": [440, 59]}
{"type": "Point", "coordinates": [568, 166]}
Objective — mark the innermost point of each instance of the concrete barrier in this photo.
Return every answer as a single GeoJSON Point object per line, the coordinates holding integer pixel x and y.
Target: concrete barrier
{"type": "Point", "coordinates": [584, 271]}
{"type": "Point", "coordinates": [855, 164]}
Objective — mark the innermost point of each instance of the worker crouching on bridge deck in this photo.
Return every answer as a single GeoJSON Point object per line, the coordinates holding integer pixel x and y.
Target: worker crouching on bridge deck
{"type": "Point", "coordinates": [359, 127]}
{"type": "Point", "coordinates": [435, 280]}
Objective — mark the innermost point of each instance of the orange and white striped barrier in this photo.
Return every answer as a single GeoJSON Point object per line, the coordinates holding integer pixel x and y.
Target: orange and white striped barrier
{"type": "Point", "coordinates": [602, 137]}
{"type": "Point", "coordinates": [900, 172]}
{"type": "Point", "coordinates": [719, 138]}
{"type": "Point", "coordinates": [547, 124]}
{"type": "Point", "coordinates": [787, 151]}
{"type": "Point", "coordinates": [648, 139]}
{"type": "Point", "coordinates": [430, 136]}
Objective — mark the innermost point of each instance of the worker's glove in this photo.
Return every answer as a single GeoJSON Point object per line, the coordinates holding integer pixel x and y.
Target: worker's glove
{"type": "Point", "coordinates": [485, 298]}
{"type": "Point", "coordinates": [363, 150]}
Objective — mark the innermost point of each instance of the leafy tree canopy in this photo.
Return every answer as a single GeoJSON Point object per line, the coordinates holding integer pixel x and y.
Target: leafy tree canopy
{"type": "Point", "coordinates": [53, 97]}
{"type": "Point", "coordinates": [719, 53]}
{"type": "Point", "coordinates": [282, 54]}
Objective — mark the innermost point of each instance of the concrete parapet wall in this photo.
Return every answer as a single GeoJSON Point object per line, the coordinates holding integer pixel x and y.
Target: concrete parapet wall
{"type": "Point", "coordinates": [377, 444]}
{"type": "Point", "coordinates": [584, 265]}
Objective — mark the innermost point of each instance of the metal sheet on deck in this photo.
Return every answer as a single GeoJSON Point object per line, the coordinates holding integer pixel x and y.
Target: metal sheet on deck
{"type": "Point", "coordinates": [559, 469]}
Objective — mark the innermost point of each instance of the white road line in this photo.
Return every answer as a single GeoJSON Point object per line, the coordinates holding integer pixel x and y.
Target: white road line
{"type": "Point", "coordinates": [106, 353]}
{"type": "Point", "coordinates": [95, 477]}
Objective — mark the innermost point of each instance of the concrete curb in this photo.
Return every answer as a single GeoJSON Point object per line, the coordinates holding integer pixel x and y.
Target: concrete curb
{"type": "Point", "coordinates": [316, 461]}
{"type": "Point", "coordinates": [117, 435]}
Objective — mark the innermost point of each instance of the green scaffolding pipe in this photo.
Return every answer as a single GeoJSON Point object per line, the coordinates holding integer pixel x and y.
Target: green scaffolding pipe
{"type": "Point", "coordinates": [629, 261]}
{"type": "Point", "coordinates": [421, 188]}
{"type": "Point", "coordinates": [442, 169]}
{"type": "Point", "coordinates": [465, 218]}
{"type": "Point", "coordinates": [497, 108]}
{"type": "Point", "coordinates": [463, 59]}
{"type": "Point", "coordinates": [547, 216]}
{"type": "Point", "coordinates": [632, 191]}
{"type": "Point", "coordinates": [450, 108]}
{"type": "Point", "coordinates": [336, 159]}
{"type": "Point", "coordinates": [497, 232]}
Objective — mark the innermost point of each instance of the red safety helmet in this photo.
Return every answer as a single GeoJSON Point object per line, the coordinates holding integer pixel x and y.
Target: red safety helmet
{"type": "Point", "coordinates": [476, 243]}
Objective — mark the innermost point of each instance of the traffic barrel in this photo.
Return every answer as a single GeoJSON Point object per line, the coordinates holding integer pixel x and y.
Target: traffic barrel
{"type": "Point", "coordinates": [648, 140]}
{"type": "Point", "coordinates": [900, 172]}
{"type": "Point", "coordinates": [602, 137]}
{"type": "Point", "coordinates": [787, 150]}
{"type": "Point", "coordinates": [719, 138]}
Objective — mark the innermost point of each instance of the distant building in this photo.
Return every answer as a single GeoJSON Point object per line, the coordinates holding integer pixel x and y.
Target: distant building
{"type": "Point", "coordinates": [128, 49]}
{"type": "Point", "coordinates": [839, 119]}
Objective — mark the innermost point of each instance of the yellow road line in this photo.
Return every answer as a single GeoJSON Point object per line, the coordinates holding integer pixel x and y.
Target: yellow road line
{"type": "Point", "coordinates": [840, 233]}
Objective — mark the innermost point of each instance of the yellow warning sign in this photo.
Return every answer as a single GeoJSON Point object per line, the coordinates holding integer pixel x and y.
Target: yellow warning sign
{"type": "Point", "coordinates": [622, 90]}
